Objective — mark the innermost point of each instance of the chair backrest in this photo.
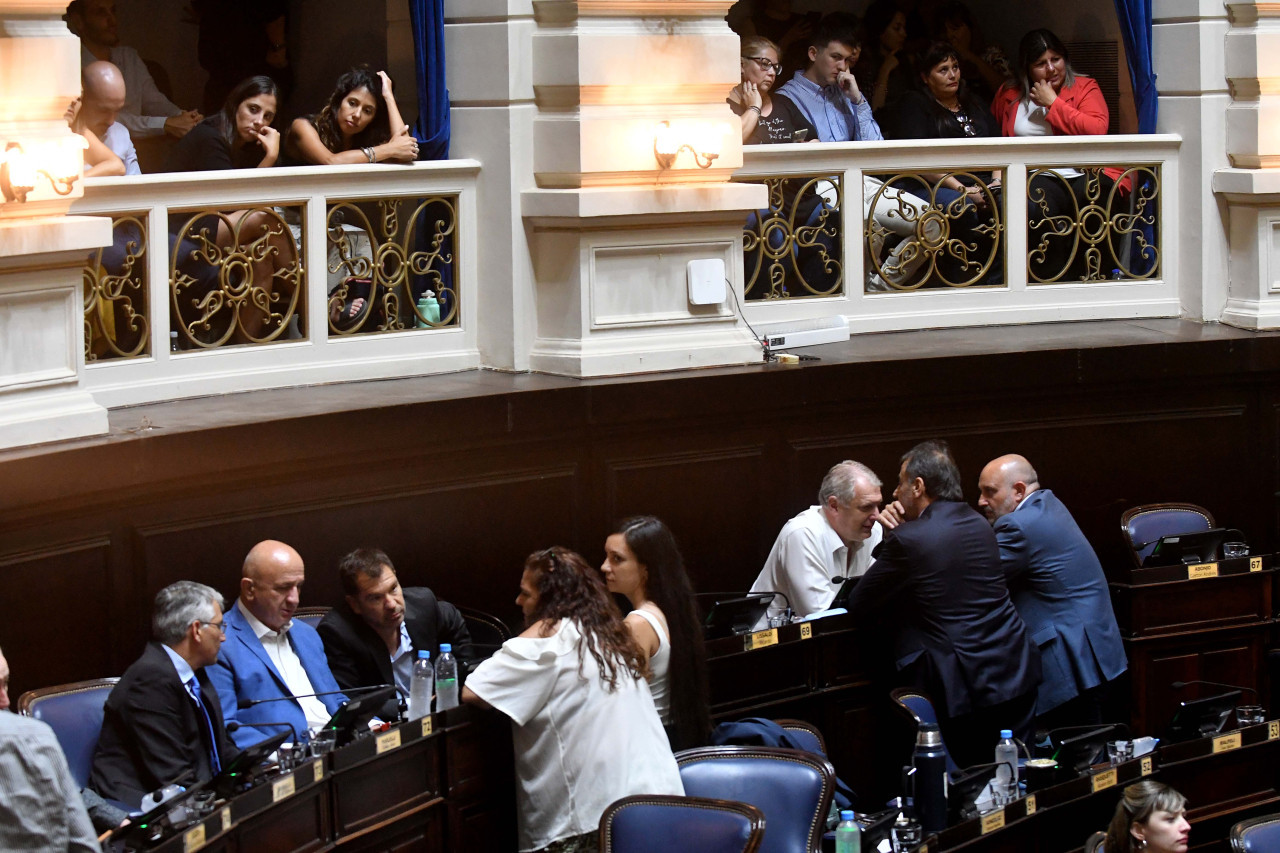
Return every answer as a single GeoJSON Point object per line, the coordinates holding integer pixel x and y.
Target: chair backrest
{"type": "Point", "coordinates": [791, 787]}
{"type": "Point", "coordinates": [646, 823]}
{"type": "Point", "coordinates": [74, 712]}
{"type": "Point", "coordinates": [806, 735]}
{"type": "Point", "coordinates": [1142, 526]}
{"type": "Point", "coordinates": [919, 708]}
{"type": "Point", "coordinates": [1094, 844]}
{"type": "Point", "coordinates": [488, 632]}
{"type": "Point", "coordinates": [310, 615]}
{"type": "Point", "coordinates": [1256, 835]}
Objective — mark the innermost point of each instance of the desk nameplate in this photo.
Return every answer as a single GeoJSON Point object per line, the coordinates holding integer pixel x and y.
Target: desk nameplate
{"type": "Point", "coordinates": [283, 788]}
{"type": "Point", "coordinates": [1104, 780]}
{"type": "Point", "coordinates": [1145, 765]}
{"type": "Point", "coordinates": [426, 726]}
{"type": "Point", "coordinates": [1031, 804]}
{"type": "Point", "coordinates": [1200, 571]}
{"type": "Point", "coordinates": [194, 839]}
{"type": "Point", "coordinates": [226, 818]}
{"type": "Point", "coordinates": [1273, 730]}
{"type": "Point", "coordinates": [317, 770]}
{"type": "Point", "coordinates": [806, 631]}
{"type": "Point", "coordinates": [993, 821]}
{"type": "Point", "coordinates": [1226, 743]}
{"type": "Point", "coordinates": [1255, 564]}
{"type": "Point", "coordinates": [760, 639]}
{"type": "Point", "coordinates": [388, 741]}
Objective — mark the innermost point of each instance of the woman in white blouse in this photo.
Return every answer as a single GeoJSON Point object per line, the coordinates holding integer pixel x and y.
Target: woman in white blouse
{"type": "Point", "coordinates": [642, 562]}
{"type": "Point", "coordinates": [584, 725]}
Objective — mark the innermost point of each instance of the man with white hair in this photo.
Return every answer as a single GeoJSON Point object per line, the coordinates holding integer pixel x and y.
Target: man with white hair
{"type": "Point", "coordinates": [826, 544]}
{"type": "Point", "coordinates": [162, 721]}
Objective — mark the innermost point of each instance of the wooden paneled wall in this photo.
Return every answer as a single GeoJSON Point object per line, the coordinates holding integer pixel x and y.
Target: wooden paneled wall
{"type": "Point", "coordinates": [459, 490]}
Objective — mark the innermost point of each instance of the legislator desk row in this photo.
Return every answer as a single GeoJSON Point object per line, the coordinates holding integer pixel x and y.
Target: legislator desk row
{"type": "Point", "coordinates": [442, 783]}
{"type": "Point", "coordinates": [1210, 622]}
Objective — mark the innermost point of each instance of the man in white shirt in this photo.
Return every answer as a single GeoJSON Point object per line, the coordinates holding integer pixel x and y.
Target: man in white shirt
{"type": "Point", "coordinates": [146, 112]}
{"type": "Point", "coordinates": [826, 544]}
{"type": "Point", "coordinates": [102, 97]}
{"type": "Point", "coordinates": [272, 664]}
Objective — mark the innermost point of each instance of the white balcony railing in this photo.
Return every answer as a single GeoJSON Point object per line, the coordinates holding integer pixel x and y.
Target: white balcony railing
{"type": "Point", "coordinates": [1001, 294]}
{"type": "Point", "coordinates": [392, 230]}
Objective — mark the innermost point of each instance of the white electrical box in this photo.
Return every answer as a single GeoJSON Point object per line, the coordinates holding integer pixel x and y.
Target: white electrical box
{"type": "Point", "coordinates": [707, 281]}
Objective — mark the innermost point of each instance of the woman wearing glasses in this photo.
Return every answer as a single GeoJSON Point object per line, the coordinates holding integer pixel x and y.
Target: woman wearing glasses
{"type": "Point", "coordinates": [766, 118]}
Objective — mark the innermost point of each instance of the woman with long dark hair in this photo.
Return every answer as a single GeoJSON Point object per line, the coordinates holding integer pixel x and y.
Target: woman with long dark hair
{"type": "Point", "coordinates": [642, 562]}
{"type": "Point", "coordinates": [1151, 818]}
{"type": "Point", "coordinates": [360, 124]}
{"type": "Point", "coordinates": [585, 729]}
{"type": "Point", "coordinates": [238, 136]}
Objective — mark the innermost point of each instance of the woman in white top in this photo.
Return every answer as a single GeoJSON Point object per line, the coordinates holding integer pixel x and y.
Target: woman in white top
{"type": "Point", "coordinates": [585, 730]}
{"type": "Point", "coordinates": [643, 563]}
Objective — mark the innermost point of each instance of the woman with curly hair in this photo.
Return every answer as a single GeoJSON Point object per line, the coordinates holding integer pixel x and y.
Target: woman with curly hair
{"type": "Point", "coordinates": [360, 124]}
{"type": "Point", "coordinates": [584, 725]}
{"type": "Point", "coordinates": [642, 562]}
{"type": "Point", "coordinates": [1150, 817]}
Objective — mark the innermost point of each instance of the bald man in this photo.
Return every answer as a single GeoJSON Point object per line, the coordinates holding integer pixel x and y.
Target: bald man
{"type": "Point", "coordinates": [102, 98]}
{"type": "Point", "coordinates": [269, 655]}
{"type": "Point", "coordinates": [1059, 590]}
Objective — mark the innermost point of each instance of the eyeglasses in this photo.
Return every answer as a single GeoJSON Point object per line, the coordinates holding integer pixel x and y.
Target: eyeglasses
{"type": "Point", "coordinates": [766, 64]}
{"type": "Point", "coordinates": [218, 625]}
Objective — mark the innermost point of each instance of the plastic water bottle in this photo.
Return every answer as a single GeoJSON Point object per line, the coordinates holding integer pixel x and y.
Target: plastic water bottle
{"type": "Point", "coordinates": [420, 687]}
{"type": "Point", "coordinates": [930, 761]}
{"type": "Point", "coordinates": [848, 834]}
{"type": "Point", "coordinates": [1007, 755]}
{"type": "Point", "coordinates": [446, 679]}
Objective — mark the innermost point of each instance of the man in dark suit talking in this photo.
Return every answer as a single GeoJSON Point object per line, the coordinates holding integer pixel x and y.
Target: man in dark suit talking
{"type": "Point", "coordinates": [1059, 590]}
{"type": "Point", "coordinates": [374, 636]}
{"type": "Point", "coordinates": [937, 580]}
{"type": "Point", "coordinates": [162, 721]}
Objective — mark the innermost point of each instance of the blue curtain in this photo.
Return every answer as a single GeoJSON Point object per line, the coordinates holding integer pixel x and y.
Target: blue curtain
{"type": "Point", "coordinates": [1135, 26]}
{"type": "Point", "coordinates": [432, 128]}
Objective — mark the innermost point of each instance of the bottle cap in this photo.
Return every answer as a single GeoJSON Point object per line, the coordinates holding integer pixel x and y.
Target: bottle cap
{"type": "Point", "coordinates": [424, 655]}
{"type": "Point", "coordinates": [445, 647]}
{"type": "Point", "coordinates": [846, 814]}
{"type": "Point", "coordinates": [1004, 733]}
{"type": "Point", "coordinates": [928, 734]}
{"type": "Point", "coordinates": [902, 819]}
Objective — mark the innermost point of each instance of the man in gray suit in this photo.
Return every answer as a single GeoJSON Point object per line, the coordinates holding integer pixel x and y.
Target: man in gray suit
{"type": "Point", "coordinates": [1059, 590]}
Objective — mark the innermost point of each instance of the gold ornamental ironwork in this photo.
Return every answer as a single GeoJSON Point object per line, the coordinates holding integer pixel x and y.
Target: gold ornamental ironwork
{"type": "Point", "coordinates": [397, 274]}
{"type": "Point", "coordinates": [920, 234]}
{"type": "Point", "coordinates": [1092, 224]}
{"type": "Point", "coordinates": [792, 249]}
{"type": "Point", "coordinates": [116, 322]}
{"type": "Point", "coordinates": [235, 277]}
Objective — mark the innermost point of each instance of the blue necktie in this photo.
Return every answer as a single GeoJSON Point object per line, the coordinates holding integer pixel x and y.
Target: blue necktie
{"type": "Point", "coordinates": [194, 687]}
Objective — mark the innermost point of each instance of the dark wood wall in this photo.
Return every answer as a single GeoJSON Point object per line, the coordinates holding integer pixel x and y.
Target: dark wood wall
{"type": "Point", "coordinates": [459, 484]}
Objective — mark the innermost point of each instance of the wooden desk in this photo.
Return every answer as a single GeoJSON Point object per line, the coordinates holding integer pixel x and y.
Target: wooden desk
{"type": "Point", "coordinates": [443, 783]}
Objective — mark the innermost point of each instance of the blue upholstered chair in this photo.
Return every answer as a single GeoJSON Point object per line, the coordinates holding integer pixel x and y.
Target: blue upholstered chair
{"type": "Point", "coordinates": [791, 787]}
{"type": "Point", "coordinates": [1094, 844]}
{"type": "Point", "coordinates": [806, 735]}
{"type": "Point", "coordinates": [1143, 526]}
{"type": "Point", "coordinates": [74, 712]}
{"type": "Point", "coordinates": [1256, 835]}
{"type": "Point", "coordinates": [310, 615]}
{"type": "Point", "coordinates": [646, 823]}
{"type": "Point", "coordinates": [919, 708]}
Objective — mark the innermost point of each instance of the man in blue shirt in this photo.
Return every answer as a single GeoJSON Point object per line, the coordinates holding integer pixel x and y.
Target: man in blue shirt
{"type": "Point", "coordinates": [827, 93]}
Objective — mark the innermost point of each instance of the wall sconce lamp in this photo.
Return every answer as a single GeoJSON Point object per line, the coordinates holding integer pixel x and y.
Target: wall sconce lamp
{"type": "Point", "coordinates": [702, 140]}
{"type": "Point", "coordinates": [60, 161]}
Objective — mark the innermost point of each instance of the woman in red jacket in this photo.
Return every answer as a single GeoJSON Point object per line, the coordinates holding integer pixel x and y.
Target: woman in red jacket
{"type": "Point", "coordinates": [1047, 98]}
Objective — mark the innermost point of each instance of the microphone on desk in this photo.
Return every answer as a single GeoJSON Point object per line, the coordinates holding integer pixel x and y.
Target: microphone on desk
{"type": "Point", "coordinates": [236, 725]}
{"type": "Point", "coordinates": [1178, 685]}
{"type": "Point", "coordinates": [249, 703]}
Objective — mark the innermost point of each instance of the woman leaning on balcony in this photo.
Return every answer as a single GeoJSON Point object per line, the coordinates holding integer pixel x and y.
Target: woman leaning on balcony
{"type": "Point", "coordinates": [360, 124]}
{"type": "Point", "coordinates": [1046, 97]}
{"type": "Point", "coordinates": [239, 136]}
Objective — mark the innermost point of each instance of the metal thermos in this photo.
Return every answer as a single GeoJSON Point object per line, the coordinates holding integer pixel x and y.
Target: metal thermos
{"type": "Point", "coordinates": [930, 761]}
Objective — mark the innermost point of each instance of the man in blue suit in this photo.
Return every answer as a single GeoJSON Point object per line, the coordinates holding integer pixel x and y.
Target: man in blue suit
{"type": "Point", "coordinates": [1059, 589]}
{"type": "Point", "coordinates": [268, 655]}
{"type": "Point", "coordinates": [936, 581]}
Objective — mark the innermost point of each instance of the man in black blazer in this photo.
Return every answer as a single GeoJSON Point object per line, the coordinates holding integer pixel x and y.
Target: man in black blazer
{"type": "Point", "coordinates": [162, 722]}
{"type": "Point", "coordinates": [374, 636]}
{"type": "Point", "coordinates": [937, 579]}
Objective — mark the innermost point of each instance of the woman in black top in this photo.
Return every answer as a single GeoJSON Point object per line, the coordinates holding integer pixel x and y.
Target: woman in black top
{"type": "Point", "coordinates": [360, 124]}
{"type": "Point", "coordinates": [766, 118]}
{"type": "Point", "coordinates": [239, 136]}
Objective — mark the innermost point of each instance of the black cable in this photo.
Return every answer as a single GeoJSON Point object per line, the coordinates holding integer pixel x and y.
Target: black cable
{"type": "Point", "coordinates": [764, 346]}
